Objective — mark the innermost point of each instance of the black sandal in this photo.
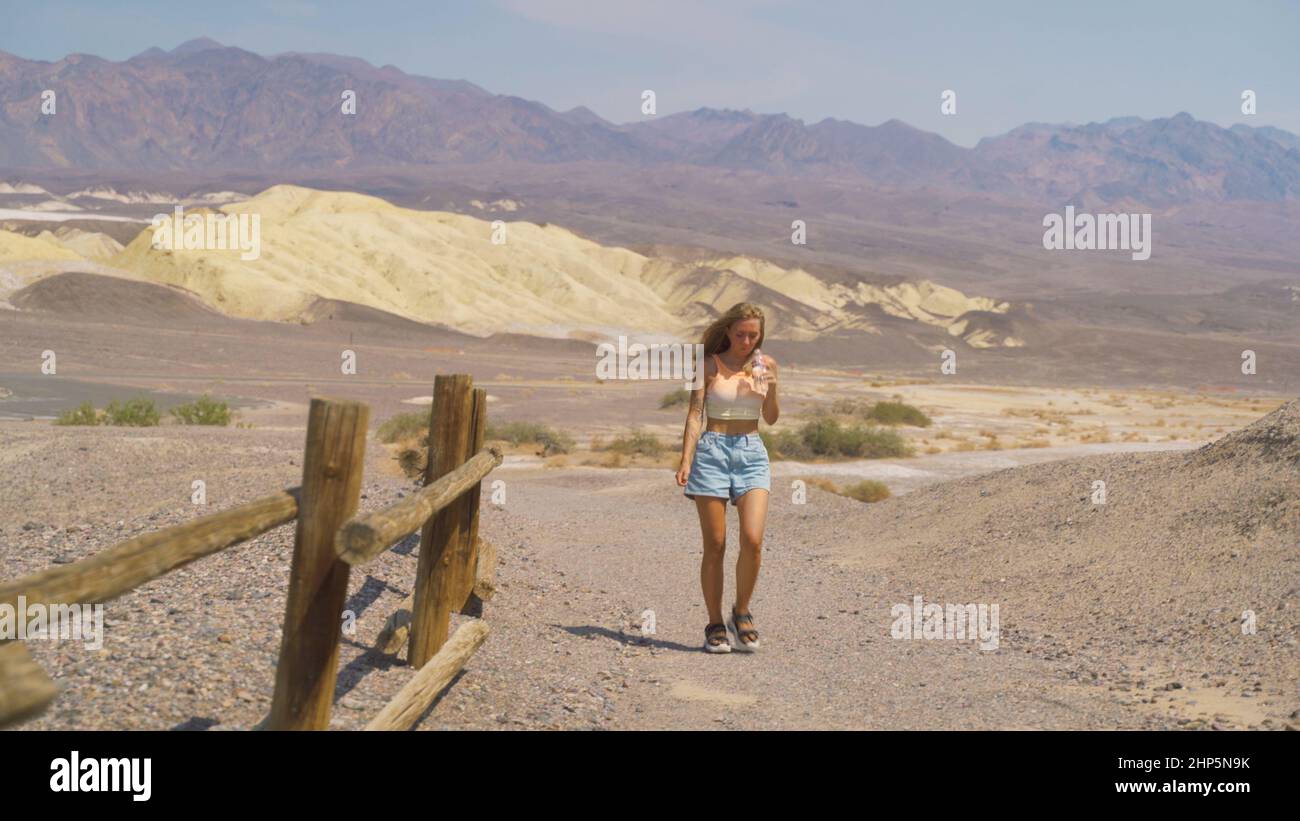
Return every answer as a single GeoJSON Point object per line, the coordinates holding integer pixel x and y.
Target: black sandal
{"type": "Point", "coordinates": [717, 631]}
{"type": "Point", "coordinates": [746, 637]}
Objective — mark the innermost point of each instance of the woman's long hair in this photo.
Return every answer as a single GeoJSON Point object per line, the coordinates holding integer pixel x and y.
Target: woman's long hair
{"type": "Point", "coordinates": [716, 340]}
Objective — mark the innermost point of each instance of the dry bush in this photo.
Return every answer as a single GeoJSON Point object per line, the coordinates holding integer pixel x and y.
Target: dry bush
{"type": "Point", "coordinates": [412, 458]}
{"type": "Point", "coordinates": [635, 442]}
{"type": "Point", "coordinates": [868, 490]}
{"type": "Point", "coordinates": [1096, 435]}
{"type": "Point", "coordinates": [1052, 417]}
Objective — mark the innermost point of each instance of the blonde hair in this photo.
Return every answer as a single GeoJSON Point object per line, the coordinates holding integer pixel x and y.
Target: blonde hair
{"type": "Point", "coordinates": [716, 340]}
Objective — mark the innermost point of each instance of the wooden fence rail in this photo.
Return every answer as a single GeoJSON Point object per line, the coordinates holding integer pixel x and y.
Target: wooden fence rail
{"type": "Point", "coordinates": [455, 567]}
{"type": "Point", "coordinates": [127, 565]}
{"type": "Point", "coordinates": [367, 537]}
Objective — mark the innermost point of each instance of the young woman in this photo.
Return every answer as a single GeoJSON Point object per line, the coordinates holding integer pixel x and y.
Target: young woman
{"type": "Point", "coordinates": [729, 462]}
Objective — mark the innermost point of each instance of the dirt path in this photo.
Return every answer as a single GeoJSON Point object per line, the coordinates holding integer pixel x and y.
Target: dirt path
{"type": "Point", "coordinates": [584, 553]}
{"type": "Point", "coordinates": [581, 575]}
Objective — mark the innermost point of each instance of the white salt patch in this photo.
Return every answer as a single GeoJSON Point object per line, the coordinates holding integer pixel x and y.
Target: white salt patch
{"type": "Point", "coordinates": [56, 216]}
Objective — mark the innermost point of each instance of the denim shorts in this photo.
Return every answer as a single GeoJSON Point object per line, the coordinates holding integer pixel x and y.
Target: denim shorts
{"type": "Point", "coordinates": [728, 465]}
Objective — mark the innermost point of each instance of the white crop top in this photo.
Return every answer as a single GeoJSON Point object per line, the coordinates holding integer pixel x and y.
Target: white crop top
{"type": "Point", "coordinates": [731, 395]}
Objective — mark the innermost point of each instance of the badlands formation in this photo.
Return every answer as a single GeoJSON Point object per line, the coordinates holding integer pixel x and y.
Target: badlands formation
{"type": "Point", "coordinates": [483, 276]}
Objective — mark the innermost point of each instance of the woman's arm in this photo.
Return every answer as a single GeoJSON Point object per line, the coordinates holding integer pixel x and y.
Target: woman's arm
{"type": "Point", "coordinates": [695, 415]}
{"type": "Point", "coordinates": [694, 425]}
{"type": "Point", "coordinates": [771, 410]}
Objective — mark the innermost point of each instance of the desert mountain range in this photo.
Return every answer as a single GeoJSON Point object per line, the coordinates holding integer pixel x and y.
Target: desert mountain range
{"type": "Point", "coordinates": [204, 106]}
{"type": "Point", "coordinates": [914, 245]}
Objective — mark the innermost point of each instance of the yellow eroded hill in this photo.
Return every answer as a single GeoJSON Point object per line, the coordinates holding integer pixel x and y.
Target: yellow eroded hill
{"type": "Point", "coordinates": [19, 248]}
{"type": "Point", "coordinates": [425, 265]}
{"type": "Point", "coordinates": [483, 276]}
{"type": "Point", "coordinates": [87, 244]}
{"type": "Point", "coordinates": [923, 301]}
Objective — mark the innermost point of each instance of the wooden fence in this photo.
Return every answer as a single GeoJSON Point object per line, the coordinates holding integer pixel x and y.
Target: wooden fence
{"type": "Point", "coordinates": [454, 573]}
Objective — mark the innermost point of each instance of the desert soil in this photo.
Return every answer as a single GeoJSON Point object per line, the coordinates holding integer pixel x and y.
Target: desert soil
{"type": "Point", "coordinates": [1126, 614]}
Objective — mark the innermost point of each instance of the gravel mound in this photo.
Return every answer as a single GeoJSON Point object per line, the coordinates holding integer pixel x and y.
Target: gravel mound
{"type": "Point", "coordinates": [112, 299]}
{"type": "Point", "coordinates": [1274, 438]}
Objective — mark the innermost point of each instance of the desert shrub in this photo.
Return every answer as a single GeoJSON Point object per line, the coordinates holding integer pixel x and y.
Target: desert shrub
{"type": "Point", "coordinates": [850, 407]}
{"type": "Point", "coordinates": [414, 462]}
{"type": "Point", "coordinates": [516, 433]}
{"type": "Point", "coordinates": [137, 413]}
{"type": "Point", "coordinates": [1099, 434]}
{"type": "Point", "coordinates": [635, 441]}
{"type": "Point", "coordinates": [875, 443]}
{"type": "Point", "coordinates": [83, 415]}
{"type": "Point", "coordinates": [825, 436]}
{"type": "Point", "coordinates": [203, 411]}
{"type": "Point", "coordinates": [405, 426]}
{"type": "Point", "coordinates": [868, 490]}
{"type": "Point", "coordinates": [681, 396]}
{"type": "Point", "coordinates": [897, 413]}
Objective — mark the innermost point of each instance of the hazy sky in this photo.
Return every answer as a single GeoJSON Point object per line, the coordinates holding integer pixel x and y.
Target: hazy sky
{"type": "Point", "coordinates": [1009, 62]}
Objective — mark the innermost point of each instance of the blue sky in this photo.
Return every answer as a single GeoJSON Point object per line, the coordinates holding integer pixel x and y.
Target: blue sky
{"type": "Point", "coordinates": [1008, 62]}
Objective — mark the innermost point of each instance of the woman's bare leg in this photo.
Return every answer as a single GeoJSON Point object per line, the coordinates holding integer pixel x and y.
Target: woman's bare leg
{"type": "Point", "coordinates": [753, 518]}
{"type": "Point", "coordinates": [713, 527]}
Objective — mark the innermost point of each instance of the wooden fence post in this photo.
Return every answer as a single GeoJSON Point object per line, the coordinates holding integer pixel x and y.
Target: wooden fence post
{"type": "Point", "coordinates": [449, 444]}
{"type": "Point", "coordinates": [318, 581]}
{"type": "Point", "coordinates": [465, 563]}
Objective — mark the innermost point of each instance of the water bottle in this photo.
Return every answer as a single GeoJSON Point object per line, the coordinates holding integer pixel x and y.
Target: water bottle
{"type": "Point", "coordinates": [760, 372]}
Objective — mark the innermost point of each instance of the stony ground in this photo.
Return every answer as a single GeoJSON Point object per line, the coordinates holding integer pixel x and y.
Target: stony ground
{"type": "Point", "coordinates": [1125, 614]}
